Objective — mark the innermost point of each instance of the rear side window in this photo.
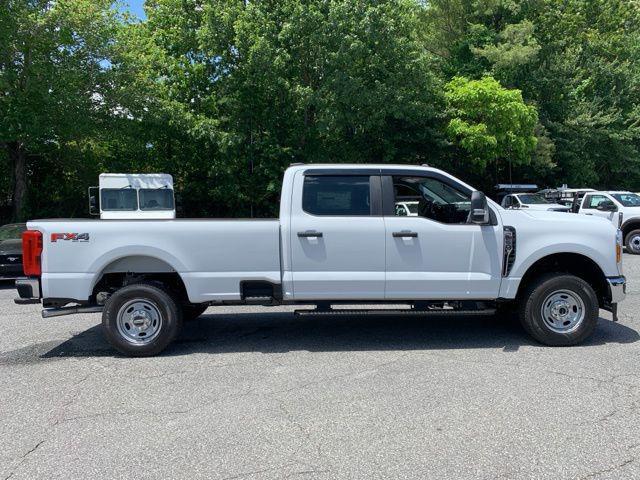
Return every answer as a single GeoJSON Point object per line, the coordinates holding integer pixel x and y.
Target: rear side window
{"type": "Point", "coordinates": [156, 199]}
{"type": "Point", "coordinates": [336, 195]}
{"type": "Point", "coordinates": [119, 199]}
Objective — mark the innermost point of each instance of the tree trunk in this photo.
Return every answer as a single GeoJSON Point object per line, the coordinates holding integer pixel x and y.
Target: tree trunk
{"type": "Point", "coordinates": [18, 159]}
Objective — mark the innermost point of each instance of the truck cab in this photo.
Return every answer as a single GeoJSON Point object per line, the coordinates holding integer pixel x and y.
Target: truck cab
{"type": "Point", "coordinates": [126, 196]}
{"type": "Point", "coordinates": [620, 208]}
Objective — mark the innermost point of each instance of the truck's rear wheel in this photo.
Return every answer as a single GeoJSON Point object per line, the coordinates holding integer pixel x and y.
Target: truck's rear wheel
{"type": "Point", "coordinates": [559, 309]}
{"type": "Point", "coordinates": [632, 242]}
{"type": "Point", "coordinates": [141, 320]}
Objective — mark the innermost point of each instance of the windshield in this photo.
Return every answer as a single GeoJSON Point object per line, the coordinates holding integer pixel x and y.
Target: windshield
{"type": "Point", "coordinates": [627, 199]}
{"type": "Point", "coordinates": [532, 199]}
{"type": "Point", "coordinates": [12, 231]}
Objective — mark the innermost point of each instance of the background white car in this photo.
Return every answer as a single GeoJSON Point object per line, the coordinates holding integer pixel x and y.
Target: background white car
{"type": "Point", "coordinates": [532, 201]}
{"type": "Point", "coordinates": [610, 205]}
{"type": "Point", "coordinates": [407, 209]}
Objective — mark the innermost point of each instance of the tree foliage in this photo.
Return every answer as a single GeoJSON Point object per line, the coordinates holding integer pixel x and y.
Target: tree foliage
{"type": "Point", "coordinates": [224, 94]}
{"type": "Point", "coordinates": [490, 122]}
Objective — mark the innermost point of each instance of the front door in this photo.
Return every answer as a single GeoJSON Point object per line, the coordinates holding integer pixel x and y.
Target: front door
{"type": "Point", "coordinates": [590, 207]}
{"type": "Point", "coordinates": [438, 254]}
{"type": "Point", "coordinates": [337, 237]}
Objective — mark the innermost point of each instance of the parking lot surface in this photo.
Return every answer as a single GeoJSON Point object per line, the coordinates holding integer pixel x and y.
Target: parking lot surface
{"type": "Point", "coordinates": [248, 396]}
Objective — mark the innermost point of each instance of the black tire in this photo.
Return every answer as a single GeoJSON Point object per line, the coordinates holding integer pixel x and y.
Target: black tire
{"type": "Point", "coordinates": [192, 311]}
{"type": "Point", "coordinates": [163, 308]}
{"type": "Point", "coordinates": [540, 291]}
{"type": "Point", "coordinates": [632, 242]}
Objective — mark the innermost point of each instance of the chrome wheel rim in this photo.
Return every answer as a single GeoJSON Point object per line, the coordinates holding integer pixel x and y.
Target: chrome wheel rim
{"type": "Point", "coordinates": [563, 311]}
{"type": "Point", "coordinates": [634, 243]}
{"type": "Point", "coordinates": [139, 321]}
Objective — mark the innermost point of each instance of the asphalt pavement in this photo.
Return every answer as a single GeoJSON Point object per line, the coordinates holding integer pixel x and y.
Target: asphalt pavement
{"type": "Point", "coordinates": [257, 393]}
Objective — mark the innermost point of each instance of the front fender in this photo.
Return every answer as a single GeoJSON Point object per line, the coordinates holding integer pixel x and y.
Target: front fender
{"type": "Point", "coordinates": [520, 268]}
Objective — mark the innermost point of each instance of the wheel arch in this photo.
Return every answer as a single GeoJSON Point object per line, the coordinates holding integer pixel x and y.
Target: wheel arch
{"type": "Point", "coordinates": [569, 263]}
{"type": "Point", "coordinates": [124, 266]}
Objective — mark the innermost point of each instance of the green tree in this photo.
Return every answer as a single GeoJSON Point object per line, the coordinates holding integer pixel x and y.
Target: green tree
{"type": "Point", "coordinates": [490, 123]}
{"type": "Point", "coordinates": [52, 80]}
{"type": "Point", "coordinates": [258, 85]}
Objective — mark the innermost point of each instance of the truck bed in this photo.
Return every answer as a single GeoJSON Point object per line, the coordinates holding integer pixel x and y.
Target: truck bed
{"type": "Point", "coordinates": [211, 256]}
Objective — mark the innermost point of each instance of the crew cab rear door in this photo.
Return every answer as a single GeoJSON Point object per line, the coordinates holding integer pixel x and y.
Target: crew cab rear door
{"type": "Point", "coordinates": [337, 235]}
{"type": "Point", "coordinates": [439, 254]}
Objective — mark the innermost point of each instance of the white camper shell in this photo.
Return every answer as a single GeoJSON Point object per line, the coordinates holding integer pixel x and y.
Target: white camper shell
{"type": "Point", "coordinates": [136, 196]}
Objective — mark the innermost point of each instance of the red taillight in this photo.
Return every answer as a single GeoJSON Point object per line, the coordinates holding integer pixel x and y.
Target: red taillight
{"type": "Point", "coordinates": [31, 253]}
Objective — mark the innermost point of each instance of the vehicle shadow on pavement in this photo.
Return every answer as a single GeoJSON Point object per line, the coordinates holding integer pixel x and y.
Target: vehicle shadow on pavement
{"type": "Point", "coordinates": [284, 332]}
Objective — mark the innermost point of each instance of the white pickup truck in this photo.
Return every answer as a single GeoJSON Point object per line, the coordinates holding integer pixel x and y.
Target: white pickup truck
{"type": "Point", "coordinates": [611, 205]}
{"type": "Point", "coordinates": [338, 241]}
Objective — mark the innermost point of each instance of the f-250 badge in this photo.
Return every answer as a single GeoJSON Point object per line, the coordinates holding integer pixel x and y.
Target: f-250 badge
{"type": "Point", "coordinates": [70, 237]}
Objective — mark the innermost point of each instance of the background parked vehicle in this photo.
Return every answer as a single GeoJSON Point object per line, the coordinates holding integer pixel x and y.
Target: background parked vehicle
{"type": "Point", "coordinates": [11, 251]}
{"type": "Point", "coordinates": [611, 205]}
{"type": "Point", "coordinates": [133, 196]}
{"type": "Point", "coordinates": [568, 196]}
{"type": "Point", "coordinates": [532, 201]}
{"type": "Point", "coordinates": [504, 189]}
{"type": "Point", "coordinates": [407, 209]}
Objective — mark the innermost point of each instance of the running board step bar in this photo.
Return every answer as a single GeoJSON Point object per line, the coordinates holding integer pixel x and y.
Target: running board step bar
{"type": "Point", "coordinates": [398, 312]}
{"type": "Point", "coordinates": [266, 300]}
{"type": "Point", "coordinates": [60, 311]}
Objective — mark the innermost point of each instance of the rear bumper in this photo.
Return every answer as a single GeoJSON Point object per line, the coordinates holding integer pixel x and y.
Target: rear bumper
{"type": "Point", "coordinates": [28, 290]}
{"type": "Point", "coordinates": [617, 289]}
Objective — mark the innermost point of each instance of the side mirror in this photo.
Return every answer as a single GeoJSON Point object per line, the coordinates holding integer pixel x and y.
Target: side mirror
{"type": "Point", "coordinates": [479, 208]}
{"type": "Point", "coordinates": [607, 206]}
{"type": "Point", "coordinates": [94, 201]}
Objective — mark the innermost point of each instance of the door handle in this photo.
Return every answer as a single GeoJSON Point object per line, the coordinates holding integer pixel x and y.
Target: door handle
{"type": "Point", "coordinates": [405, 234]}
{"type": "Point", "coordinates": [310, 234]}
{"type": "Point", "coordinates": [588, 213]}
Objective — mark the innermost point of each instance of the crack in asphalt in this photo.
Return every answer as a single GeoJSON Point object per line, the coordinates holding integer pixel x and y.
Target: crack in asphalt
{"type": "Point", "coordinates": [24, 459]}
{"type": "Point", "coordinates": [613, 468]}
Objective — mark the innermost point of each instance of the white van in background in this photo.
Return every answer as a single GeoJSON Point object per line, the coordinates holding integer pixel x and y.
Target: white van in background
{"type": "Point", "coordinates": [125, 196]}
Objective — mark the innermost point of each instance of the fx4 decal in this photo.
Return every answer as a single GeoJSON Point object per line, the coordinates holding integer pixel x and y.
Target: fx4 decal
{"type": "Point", "coordinates": [73, 237]}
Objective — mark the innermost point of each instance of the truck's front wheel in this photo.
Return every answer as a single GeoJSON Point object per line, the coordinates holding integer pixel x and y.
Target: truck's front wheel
{"type": "Point", "coordinates": [141, 320]}
{"type": "Point", "coordinates": [559, 309]}
{"type": "Point", "coordinates": [632, 242]}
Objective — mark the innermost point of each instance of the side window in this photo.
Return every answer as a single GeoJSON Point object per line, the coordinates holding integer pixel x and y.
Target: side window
{"type": "Point", "coordinates": [336, 195]}
{"type": "Point", "coordinates": [435, 199]}
{"type": "Point", "coordinates": [508, 201]}
{"type": "Point", "coordinates": [119, 199]}
{"type": "Point", "coordinates": [156, 199]}
{"type": "Point", "coordinates": [592, 201]}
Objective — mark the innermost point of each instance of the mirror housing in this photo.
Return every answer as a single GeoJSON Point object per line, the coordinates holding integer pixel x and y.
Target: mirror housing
{"type": "Point", "coordinates": [479, 208]}
{"type": "Point", "coordinates": [607, 206]}
{"type": "Point", "coordinates": [94, 201]}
